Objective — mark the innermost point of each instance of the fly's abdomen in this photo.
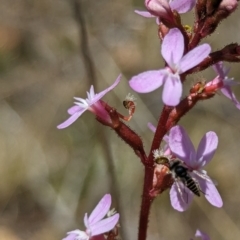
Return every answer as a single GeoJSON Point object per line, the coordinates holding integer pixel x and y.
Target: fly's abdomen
{"type": "Point", "coordinates": [192, 185]}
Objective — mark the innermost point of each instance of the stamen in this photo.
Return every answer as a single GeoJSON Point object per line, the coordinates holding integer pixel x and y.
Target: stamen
{"type": "Point", "coordinates": [130, 104]}
{"type": "Point", "coordinates": [160, 158]}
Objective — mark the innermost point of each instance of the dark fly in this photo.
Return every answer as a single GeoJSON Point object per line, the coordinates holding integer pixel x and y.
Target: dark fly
{"type": "Point", "coordinates": [180, 172]}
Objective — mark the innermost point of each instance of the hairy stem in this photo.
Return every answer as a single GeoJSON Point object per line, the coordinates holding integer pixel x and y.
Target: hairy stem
{"type": "Point", "coordinates": [146, 204]}
{"type": "Point", "coordinates": [160, 131]}
{"type": "Point", "coordinates": [148, 174]}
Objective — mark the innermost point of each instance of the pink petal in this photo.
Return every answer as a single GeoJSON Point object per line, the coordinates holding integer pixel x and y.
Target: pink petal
{"type": "Point", "coordinates": [173, 47]}
{"type": "Point", "coordinates": [74, 109]}
{"type": "Point", "coordinates": [227, 91]}
{"type": "Point", "coordinates": [172, 91]}
{"type": "Point", "coordinates": [159, 8]}
{"type": "Point", "coordinates": [144, 14]}
{"type": "Point", "coordinates": [230, 82]}
{"type": "Point", "coordinates": [71, 120]}
{"type": "Point", "coordinates": [201, 234]}
{"type": "Point", "coordinates": [166, 138]}
{"type": "Point", "coordinates": [147, 81]}
{"type": "Point", "coordinates": [221, 70]}
{"type": "Point", "coordinates": [210, 191]}
{"type": "Point", "coordinates": [151, 127]}
{"type": "Point", "coordinates": [104, 225]}
{"type": "Point", "coordinates": [180, 202]}
{"type": "Point", "coordinates": [182, 6]}
{"type": "Point", "coordinates": [100, 210]}
{"type": "Point", "coordinates": [76, 234]}
{"type": "Point", "coordinates": [181, 145]}
{"type": "Point", "coordinates": [194, 57]}
{"type": "Point", "coordinates": [101, 94]}
{"type": "Point", "coordinates": [206, 148]}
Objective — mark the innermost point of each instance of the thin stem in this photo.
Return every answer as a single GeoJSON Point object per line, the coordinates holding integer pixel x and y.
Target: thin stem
{"type": "Point", "coordinates": [146, 204]}
{"type": "Point", "coordinates": [148, 174]}
{"type": "Point", "coordinates": [160, 131]}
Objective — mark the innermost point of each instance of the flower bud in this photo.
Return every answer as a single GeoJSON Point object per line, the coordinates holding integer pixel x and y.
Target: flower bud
{"type": "Point", "coordinates": [159, 8]}
{"type": "Point", "coordinates": [228, 5]}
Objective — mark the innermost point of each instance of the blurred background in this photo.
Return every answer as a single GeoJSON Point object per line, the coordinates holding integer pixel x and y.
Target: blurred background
{"type": "Point", "coordinates": [52, 50]}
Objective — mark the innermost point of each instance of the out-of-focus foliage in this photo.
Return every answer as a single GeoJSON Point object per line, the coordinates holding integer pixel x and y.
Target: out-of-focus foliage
{"type": "Point", "coordinates": [49, 178]}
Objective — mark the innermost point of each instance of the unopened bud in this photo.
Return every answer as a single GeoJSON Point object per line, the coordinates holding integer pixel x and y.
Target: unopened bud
{"type": "Point", "coordinates": [229, 5]}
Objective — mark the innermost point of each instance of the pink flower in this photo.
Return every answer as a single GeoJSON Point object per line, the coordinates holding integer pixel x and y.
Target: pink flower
{"type": "Point", "coordinates": [182, 147]}
{"type": "Point", "coordinates": [164, 8]}
{"type": "Point", "coordinates": [201, 234]}
{"type": "Point", "coordinates": [95, 224]}
{"type": "Point", "coordinates": [91, 103]}
{"type": "Point", "coordinates": [172, 51]}
{"type": "Point", "coordinates": [224, 82]}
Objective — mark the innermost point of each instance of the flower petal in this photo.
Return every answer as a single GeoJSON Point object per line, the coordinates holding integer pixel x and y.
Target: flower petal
{"type": "Point", "coordinates": [100, 210]}
{"type": "Point", "coordinates": [181, 145]}
{"type": "Point", "coordinates": [206, 148]}
{"type": "Point", "coordinates": [151, 127]}
{"type": "Point", "coordinates": [201, 234]}
{"type": "Point", "coordinates": [71, 120]}
{"type": "Point", "coordinates": [147, 81]}
{"type": "Point", "coordinates": [230, 82]}
{"type": "Point", "coordinates": [227, 91]}
{"type": "Point", "coordinates": [98, 96]}
{"type": "Point", "coordinates": [74, 109]}
{"type": "Point", "coordinates": [172, 90]}
{"type": "Point", "coordinates": [144, 14]}
{"type": "Point", "coordinates": [104, 225]}
{"type": "Point", "coordinates": [173, 47]}
{"type": "Point", "coordinates": [194, 57]}
{"type": "Point", "coordinates": [76, 234]}
{"type": "Point", "coordinates": [159, 8]}
{"type": "Point", "coordinates": [180, 202]}
{"type": "Point", "coordinates": [210, 191]}
{"type": "Point", "coordinates": [182, 6]}
{"type": "Point", "coordinates": [221, 70]}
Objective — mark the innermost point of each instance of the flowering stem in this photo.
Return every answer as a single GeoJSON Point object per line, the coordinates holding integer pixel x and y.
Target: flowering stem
{"type": "Point", "coordinates": [160, 131]}
{"type": "Point", "coordinates": [184, 106]}
{"type": "Point", "coordinates": [196, 37]}
{"type": "Point", "coordinates": [146, 203]}
{"type": "Point", "coordinates": [148, 175]}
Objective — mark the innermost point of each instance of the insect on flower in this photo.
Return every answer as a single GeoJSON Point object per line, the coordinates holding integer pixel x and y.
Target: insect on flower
{"type": "Point", "coordinates": [183, 149]}
{"type": "Point", "coordinates": [180, 172]}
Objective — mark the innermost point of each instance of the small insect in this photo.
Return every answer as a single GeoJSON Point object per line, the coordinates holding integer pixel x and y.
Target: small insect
{"type": "Point", "coordinates": [181, 172]}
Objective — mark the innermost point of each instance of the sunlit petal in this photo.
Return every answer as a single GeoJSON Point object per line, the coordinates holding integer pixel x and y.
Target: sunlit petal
{"type": "Point", "coordinates": [181, 145]}
{"type": "Point", "coordinates": [182, 6]}
{"type": "Point", "coordinates": [194, 57]}
{"type": "Point", "coordinates": [173, 47]}
{"type": "Point", "coordinates": [101, 209]}
{"type": "Point", "coordinates": [172, 91]}
{"type": "Point", "coordinates": [147, 81]}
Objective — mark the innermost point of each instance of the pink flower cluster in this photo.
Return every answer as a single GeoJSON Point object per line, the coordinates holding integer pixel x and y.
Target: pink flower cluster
{"type": "Point", "coordinates": [182, 55]}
